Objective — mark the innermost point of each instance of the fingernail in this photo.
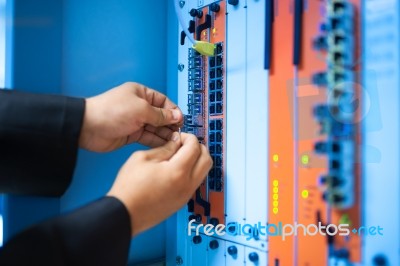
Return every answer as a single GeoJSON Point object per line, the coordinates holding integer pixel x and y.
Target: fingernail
{"type": "Point", "coordinates": [176, 114]}
{"type": "Point", "coordinates": [175, 137]}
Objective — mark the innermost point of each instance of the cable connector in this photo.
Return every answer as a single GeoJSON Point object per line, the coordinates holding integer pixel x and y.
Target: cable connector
{"type": "Point", "coordinates": [204, 48]}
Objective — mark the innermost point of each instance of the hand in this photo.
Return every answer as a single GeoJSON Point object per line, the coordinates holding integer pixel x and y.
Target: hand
{"type": "Point", "coordinates": [128, 113]}
{"type": "Point", "coordinates": [156, 183]}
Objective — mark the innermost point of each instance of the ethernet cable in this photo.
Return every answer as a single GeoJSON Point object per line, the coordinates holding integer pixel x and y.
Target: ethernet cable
{"type": "Point", "coordinates": [204, 48]}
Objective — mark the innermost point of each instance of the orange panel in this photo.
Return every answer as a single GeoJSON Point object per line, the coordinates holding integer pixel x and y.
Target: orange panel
{"type": "Point", "coordinates": [280, 131]}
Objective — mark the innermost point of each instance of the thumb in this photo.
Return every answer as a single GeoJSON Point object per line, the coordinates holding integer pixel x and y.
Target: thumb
{"type": "Point", "coordinates": [165, 152]}
{"type": "Point", "coordinates": [158, 117]}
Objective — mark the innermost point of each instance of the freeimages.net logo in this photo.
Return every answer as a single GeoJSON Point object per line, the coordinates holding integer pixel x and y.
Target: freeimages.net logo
{"type": "Point", "coordinates": [281, 230]}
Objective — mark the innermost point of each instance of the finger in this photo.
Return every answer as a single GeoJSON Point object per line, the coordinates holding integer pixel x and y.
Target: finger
{"type": "Point", "coordinates": [157, 116]}
{"type": "Point", "coordinates": [148, 139]}
{"type": "Point", "coordinates": [188, 154]}
{"type": "Point", "coordinates": [157, 99]}
{"type": "Point", "coordinates": [166, 151]}
{"type": "Point", "coordinates": [162, 132]}
{"type": "Point", "coordinates": [202, 167]}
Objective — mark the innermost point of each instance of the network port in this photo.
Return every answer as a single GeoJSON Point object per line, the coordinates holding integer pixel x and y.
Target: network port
{"type": "Point", "coordinates": [219, 48]}
{"type": "Point", "coordinates": [218, 136]}
{"type": "Point", "coordinates": [219, 96]}
{"type": "Point", "coordinates": [195, 73]}
{"type": "Point", "coordinates": [211, 149]}
{"type": "Point", "coordinates": [219, 60]}
{"type": "Point", "coordinates": [218, 184]}
{"type": "Point", "coordinates": [212, 62]}
{"type": "Point", "coordinates": [218, 172]}
{"type": "Point", "coordinates": [217, 161]}
{"type": "Point", "coordinates": [218, 149]}
{"type": "Point", "coordinates": [212, 125]}
{"type": "Point", "coordinates": [195, 62]}
{"type": "Point", "coordinates": [212, 109]}
{"type": "Point", "coordinates": [218, 124]}
{"type": "Point", "coordinates": [188, 120]}
{"type": "Point", "coordinates": [193, 53]}
{"type": "Point", "coordinates": [196, 109]}
{"type": "Point", "coordinates": [219, 72]}
{"type": "Point", "coordinates": [211, 183]}
{"type": "Point", "coordinates": [212, 97]}
{"type": "Point", "coordinates": [197, 98]}
{"type": "Point", "coordinates": [212, 74]}
{"type": "Point", "coordinates": [212, 85]}
{"type": "Point", "coordinates": [219, 108]}
{"type": "Point", "coordinates": [211, 137]}
{"type": "Point", "coordinates": [219, 84]}
{"type": "Point", "coordinates": [195, 85]}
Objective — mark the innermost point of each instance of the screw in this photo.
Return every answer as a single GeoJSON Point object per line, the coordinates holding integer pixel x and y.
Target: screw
{"type": "Point", "coordinates": [181, 67]}
{"type": "Point", "coordinates": [179, 260]}
{"type": "Point", "coordinates": [181, 4]}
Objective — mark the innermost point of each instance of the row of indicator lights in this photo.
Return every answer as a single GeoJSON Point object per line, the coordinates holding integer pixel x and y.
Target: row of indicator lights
{"type": "Point", "coordinates": [275, 196]}
{"type": "Point", "coordinates": [305, 159]}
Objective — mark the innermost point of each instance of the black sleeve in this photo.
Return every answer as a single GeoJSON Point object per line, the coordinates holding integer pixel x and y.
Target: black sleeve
{"type": "Point", "coordinates": [38, 142]}
{"type": "Point", "coordinates": [98, 234]}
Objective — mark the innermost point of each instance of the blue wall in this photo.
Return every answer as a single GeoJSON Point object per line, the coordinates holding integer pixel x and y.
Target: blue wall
{"type": "Point", "coordinates": [33, 65]}
{"type": "Point", "coordinates": [82, 48]}
{"type": "Point", "coordinates": [106, 43]}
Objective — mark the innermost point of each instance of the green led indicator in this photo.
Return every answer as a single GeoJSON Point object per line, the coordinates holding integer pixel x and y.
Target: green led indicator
{"type": "Point", "coordinates": [305, 159]}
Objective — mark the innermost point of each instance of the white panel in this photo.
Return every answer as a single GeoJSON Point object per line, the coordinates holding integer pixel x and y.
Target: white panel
{"type": "Point", "coordinates": [183, 59]}
{"type": "Point", "coordinates": [197, 255]}
{"type": "Point", "coordinates": [236, 113]}
{"type": "Point", "coordinates": [381, 80]}
{"type": "Point", "coordinates": [216, 257]}
{"type": "Point", "coordinates": [256, 116]}
{"type": "Point", "coordinates": [235, 260]}
{"type": "Point", "coordinates": [182, 216]}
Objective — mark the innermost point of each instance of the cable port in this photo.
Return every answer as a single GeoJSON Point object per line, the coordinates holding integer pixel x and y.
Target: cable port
{"type": "Point", "coordinates": [196, 109]}
{"type": "Point", "coordinates": [212, 62]}
{"type": "Point", "coordinates": [212, 125]}
{"type": "Point", "coordinates": [219, 60]}
{"type": "Point", "coordinates": [197, 98]}
{"type": "Point", "coordinates": [219, 84]}
{"type": "Point", "coordinates": [218, 124]}
{"type": "Point", "coordinates": [219, 108]}
{"type": "Point", "coordinates": [196, 85]}
{"type": "Point", "coordinates": [212, 74]}
{"type": "Point", "coordinates": [219, 48]}
{"type": "Point", "coordinates": [218, 185]}
{"type": "Point", "coordinates": [211, 137]}
{"type": "Point", "coordinates": [212, 97]}
{"type": "Point", "coordinates": [195, 73]}
{"type": "Point", "coordinates": [195, 62]}
{"type": "Point", "coordinates": [219, 72]}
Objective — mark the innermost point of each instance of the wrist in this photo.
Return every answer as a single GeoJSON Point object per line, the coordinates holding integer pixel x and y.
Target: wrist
{"type": "Point", "coordinates": [87, 130]}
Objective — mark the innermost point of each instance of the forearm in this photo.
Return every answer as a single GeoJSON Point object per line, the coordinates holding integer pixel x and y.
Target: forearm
{"type": "Point", "coordinates": [97, 234]}
{"type": "Point", "coordinates": [39, 141]}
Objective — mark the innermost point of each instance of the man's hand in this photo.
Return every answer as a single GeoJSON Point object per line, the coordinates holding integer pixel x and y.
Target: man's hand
{"type": "Point", "coordinates": [128, 113]}
{"type": "Point", "coordinates": [154, 184]}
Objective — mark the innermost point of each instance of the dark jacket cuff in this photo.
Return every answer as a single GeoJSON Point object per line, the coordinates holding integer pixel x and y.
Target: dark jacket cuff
{"type": "Point", "coordinates": [97, 234]}
{"type": "Point", "coordinates": [39, 137]}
